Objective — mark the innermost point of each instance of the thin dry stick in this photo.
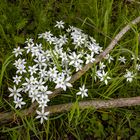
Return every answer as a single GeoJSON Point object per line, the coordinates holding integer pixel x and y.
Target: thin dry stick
{"type": "Point", "coordinates": [93, 104]}
{"type": "Point", "coordinates": [27, 112]}
{"type": "Point", "coordinates": [96, 104]}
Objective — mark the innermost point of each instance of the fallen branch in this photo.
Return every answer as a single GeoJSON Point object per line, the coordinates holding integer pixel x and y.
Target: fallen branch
{"type": "Point", "coordinates": [94, 104]}
{"type": "Point", "coordinates": [27, 112]}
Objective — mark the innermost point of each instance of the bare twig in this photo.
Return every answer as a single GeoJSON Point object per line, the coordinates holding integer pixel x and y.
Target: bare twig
{"type": "Point", "coordinates": [96, 104]}
{"type": "Point", "coordinates": [93, 104]}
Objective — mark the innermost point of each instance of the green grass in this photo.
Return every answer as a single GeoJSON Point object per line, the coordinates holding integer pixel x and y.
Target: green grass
{"type": "Point", "coordinates": [102, 19]}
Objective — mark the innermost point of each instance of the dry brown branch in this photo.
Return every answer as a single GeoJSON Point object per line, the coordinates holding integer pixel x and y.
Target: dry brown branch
{"type": "Point", "coordinates": [27, 112]}
{"type": "Point", "coordinates": [94, 104]}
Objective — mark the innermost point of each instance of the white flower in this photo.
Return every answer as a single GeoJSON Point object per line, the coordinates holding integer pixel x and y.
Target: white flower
{"type": "Point", "coordinates": [42, 115]}
{"type": "Point", "coordinates": [27, 84]}
{"type": "Point", "coordinates": [29, 47]}
{"type": "Point", "coordinates": [33, 69]}
{"type": "Point", "coordinates": [68, 30]}
{"type": "Point", "coordinates": [62, 82]}
{"type": "Point", "coordinates": [34, 93]}
{"type": "Point", "coordinates": [29, 40]}
{"type": "Point", "coordinates": [33, 80]}
{"type": "Point", "coordinates": [64, 58]}
{"type": "Point", "coordinates": [60, 42]}
{"type": "Point", "coordinates": [19, 102]}
{"type": "Point", "coordinates": [135, 58]}
{"type": "Point", "coordinates": [95, 48]}
{"type": "Point", "coordinates": [75, 59]}
{"type": "Point", "coordinates": [43, 98]}
{"type": "Point", "coordinates": [39, 47]}
{"type": "Point", "coordinates": [83, 91]}
{"type": "Point", "coordinates": [15, 92]}
{"type": "Point", "coordinates": [97, 74]}
{"type": "Point", "coordinates": [103, 77]}
{"type": "Point", "coordinates": [89, 58]}
{"type": "Point", "coordinates": [129, 76]}
{"type": "Point", "coordinates": [40, 84]}
{"type": "Point", "coordinates": [43, 101]}
{"type": "Point", "coordinates": [17, 79]}
{"type": "Point", "coordinates": [35, 51]}
{"type": "Point", "coordinates": [79, 40]}
{"type": "Point", "coordinates": [78, 37]}
{"type": "Point", "coordinates": [21, 69]}
{"type": "Point", "coordinates": [40, 60]}
{"type": "Point", "coordinates": [67, 72]}
{"type": "Point", "coordinates": [35, 96]}
{"type": "Point", "coordinates": [45, 35]}
{"type": "Point", "coordinates": [138, 67]}
{"type": "Point", "coordinates": [45, 91]}
{"type": "Point", "coordinates": [101, 65]}
{"type": "Point", "coordinates": [66, 83]}
{"type": "Point", "coordinates": [59, 82]}
{"type": "Point", "coordinates": [19, 62]}
{"type": "Point", "coordinates": [78, 66]}
{"type": "Point", "coordinates": [18, 51]}
{"type": "Point", "coordinates": [59, 24]}
{"type": "Point", "coordinates": [50, 39]}
{"type": "Point", "coordinates": [52, 73]}
{"type": "Point", "coordinates": [42, 72]}
{"type": "Point", "coordinates": [122, 59]}
{"type": "Point", "coordinates": [109, 58]}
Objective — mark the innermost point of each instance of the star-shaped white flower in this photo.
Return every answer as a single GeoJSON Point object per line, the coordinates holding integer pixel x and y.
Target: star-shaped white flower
{"type": "Point", "coordinates": [90, 58]}
{"type": "Point", "coordinates": [19, 62]}
{"type": "Point", "coordinates": [19, 102]}
{"type": "Point", "coordinates": [104, 77]}
{"type": "Point", "coordinates": [61, 82]}
{"type": "Point", "coordinates": [59, 24]}
{"type": "Point", "coordinates": [34, 93]}
{"type": "Point", "coordinates": [42, 115]}
{"type": "Point", "coordinates": [109, 58]}
{"type": "Point", "coordinates": [82, 92]}
{"type": "Point", "coordinates": [21, 69]}
{"type": "Point", "coordinates": [29, 47]}
{"type": "Point", "coordinates": [102, 66]}
{"type": "Point", "coordinates": [18, 51]}
{"type": "Point", "coordinates": [129, 76]}
{"type": "Point", "coordinates": [33, 69]}
{"type": "Point", "coordinates": [15, 92]}
{"type": "Point", "coordinates": [17, 79]}
{"type": "Point", "coordinates": [122, 59]}
{"type": "Point", "coordinates": [75, 59]}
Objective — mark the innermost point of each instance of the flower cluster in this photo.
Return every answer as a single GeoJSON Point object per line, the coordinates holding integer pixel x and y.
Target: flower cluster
{"type": "Point", "coordinates": [40, 67]}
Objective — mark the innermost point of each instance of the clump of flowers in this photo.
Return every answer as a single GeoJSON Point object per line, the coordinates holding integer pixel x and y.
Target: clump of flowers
{"type": "Point", "coordinates": [53, 62]}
